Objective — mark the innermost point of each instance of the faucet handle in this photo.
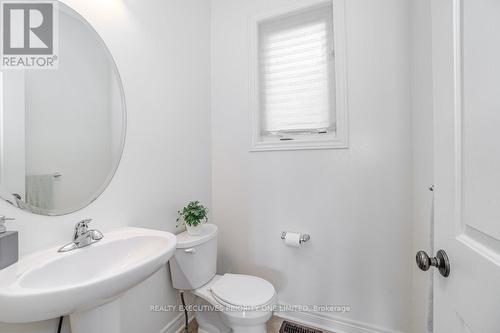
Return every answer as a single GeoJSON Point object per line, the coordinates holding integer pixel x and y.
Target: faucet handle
{"type": "Point", "coordinates": [83, 223]}
{"type": "Point", "coordinates": [81, 228]}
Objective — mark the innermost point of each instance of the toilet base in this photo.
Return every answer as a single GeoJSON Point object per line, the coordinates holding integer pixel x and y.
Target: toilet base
{"type": "Point", "coordinates": [209, 321]}
{"type": "Point", "coordinates": [205, 330]}
{"type": "Point", "coordinates": [250, 329]}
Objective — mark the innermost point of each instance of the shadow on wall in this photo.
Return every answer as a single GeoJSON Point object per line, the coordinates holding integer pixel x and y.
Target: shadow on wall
{"type": "Point", "coordinates": [277, 278]}
{"type": "Point", "coordinates": [227, 259]}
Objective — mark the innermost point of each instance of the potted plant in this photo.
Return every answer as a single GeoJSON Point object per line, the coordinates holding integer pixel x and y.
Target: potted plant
{"type": "Point", "coordinates": [194, 215]}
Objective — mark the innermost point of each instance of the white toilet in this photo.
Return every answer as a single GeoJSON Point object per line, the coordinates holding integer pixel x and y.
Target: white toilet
{"type": "Point", "coordinates": [244, 303]}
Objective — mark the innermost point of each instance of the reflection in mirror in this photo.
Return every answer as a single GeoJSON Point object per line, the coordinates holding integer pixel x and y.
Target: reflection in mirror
{"type": "Point", "coordinates": [62, 131]}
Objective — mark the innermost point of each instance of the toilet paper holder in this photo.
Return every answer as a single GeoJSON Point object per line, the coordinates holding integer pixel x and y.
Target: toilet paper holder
{"type": "Point", "coordinates": [303, 237]}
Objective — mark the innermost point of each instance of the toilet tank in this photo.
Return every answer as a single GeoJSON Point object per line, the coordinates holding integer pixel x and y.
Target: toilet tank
{"type": "Point", "coordinates": [195, 259]}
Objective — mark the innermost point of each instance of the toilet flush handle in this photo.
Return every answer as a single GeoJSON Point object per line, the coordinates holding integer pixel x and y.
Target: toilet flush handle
{"type": "Point", "coordinates": [190, 251]}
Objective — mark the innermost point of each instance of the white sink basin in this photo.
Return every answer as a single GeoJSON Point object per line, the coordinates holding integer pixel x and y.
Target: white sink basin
{"type": "Point", "coordinates": [49, 284]}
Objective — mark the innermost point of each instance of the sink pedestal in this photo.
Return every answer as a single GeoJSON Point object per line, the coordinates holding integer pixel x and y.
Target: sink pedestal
{"type": "Point", "coordinates": [102, 319]}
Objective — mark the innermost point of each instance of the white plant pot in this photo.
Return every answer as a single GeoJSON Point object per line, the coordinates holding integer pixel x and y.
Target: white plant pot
{"type": "Point", "coordinates": [194, 230]}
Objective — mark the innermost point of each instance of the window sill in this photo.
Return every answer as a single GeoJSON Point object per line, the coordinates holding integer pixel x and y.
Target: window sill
{"type": "Point", "coordinates": [298, 144]}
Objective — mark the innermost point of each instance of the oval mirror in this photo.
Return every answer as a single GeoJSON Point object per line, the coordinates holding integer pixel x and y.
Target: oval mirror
{"type": "Point", "coordinates": [62, 130]}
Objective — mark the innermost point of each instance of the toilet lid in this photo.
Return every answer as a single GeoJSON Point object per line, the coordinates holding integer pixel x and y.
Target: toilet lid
{"type": "Point", "coordinates": [243, 290]}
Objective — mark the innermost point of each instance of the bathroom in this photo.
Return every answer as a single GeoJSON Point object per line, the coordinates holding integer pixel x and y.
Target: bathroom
{"type": "Point", "coordinates": [388, 180]}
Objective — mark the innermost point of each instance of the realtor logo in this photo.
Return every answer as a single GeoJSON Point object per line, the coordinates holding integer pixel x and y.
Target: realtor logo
{"type": "Point", "coordinates": [29, 34]}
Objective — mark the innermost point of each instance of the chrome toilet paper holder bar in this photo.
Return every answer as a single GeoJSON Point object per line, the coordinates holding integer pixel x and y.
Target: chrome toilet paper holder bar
{"type": "Point", "coordinates": [303, 237]}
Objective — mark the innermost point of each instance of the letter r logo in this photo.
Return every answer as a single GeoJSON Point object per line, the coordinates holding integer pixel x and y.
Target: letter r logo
{"type": "Point", "coordinates": [28, 28]}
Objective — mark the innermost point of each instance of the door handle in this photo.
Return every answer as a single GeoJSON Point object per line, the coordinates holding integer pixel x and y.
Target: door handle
{"type": "Point", "coordinates": [440, 261]}
{"type": "Point", "coordinates": [190, 251]}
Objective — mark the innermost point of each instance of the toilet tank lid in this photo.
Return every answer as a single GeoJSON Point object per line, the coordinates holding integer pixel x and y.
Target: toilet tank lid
{"type": "Point", "coordinates": [208, 231]}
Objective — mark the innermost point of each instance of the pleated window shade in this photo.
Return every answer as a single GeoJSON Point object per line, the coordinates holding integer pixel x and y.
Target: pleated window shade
{"type": "Point", "coordinates": [296, 72]}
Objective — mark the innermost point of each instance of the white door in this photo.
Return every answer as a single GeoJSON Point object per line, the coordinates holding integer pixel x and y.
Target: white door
{"type": "Point", "coordinates": [466, 66]}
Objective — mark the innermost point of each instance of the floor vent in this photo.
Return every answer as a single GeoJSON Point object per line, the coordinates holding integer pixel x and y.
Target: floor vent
{"type": "Point", "coordinates": [288, 327]}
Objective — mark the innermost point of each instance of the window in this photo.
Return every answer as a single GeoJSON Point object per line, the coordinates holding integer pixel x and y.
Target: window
{"type": "Point", "coordinates": [295, 81]}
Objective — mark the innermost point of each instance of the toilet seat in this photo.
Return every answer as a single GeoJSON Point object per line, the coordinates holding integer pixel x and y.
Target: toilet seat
{"type": "Point", "coordinates": [238, 290]}
{"type": "Point", "coordinates": [239, 318]}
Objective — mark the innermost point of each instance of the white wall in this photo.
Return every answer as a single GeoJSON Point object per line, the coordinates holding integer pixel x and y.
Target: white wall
{"type": "Point", "coordinates": [355, 203]}
{"type": "Point", "coordinates": [422, 147]}
{"type": "Point", "coordinates": [162, 51]}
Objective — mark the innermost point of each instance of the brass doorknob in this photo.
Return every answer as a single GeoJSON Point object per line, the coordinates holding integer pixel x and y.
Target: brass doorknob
{"type": "Point", "coordinates": [440, 261]}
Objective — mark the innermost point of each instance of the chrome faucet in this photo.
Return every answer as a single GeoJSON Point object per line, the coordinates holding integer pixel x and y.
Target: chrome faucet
{"type": "Point", "coordinates": [82, 237]}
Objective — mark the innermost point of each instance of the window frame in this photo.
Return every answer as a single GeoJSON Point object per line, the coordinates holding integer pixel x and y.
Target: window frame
{"type": "Point", "coordinates": [302, 140]}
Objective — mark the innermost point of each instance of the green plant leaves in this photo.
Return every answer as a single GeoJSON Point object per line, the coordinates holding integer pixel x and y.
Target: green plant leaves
{"type": "Point", "coordinates": [193, 213]}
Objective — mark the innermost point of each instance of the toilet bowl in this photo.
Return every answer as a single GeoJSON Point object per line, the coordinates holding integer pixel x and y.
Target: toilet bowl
{"type": "Point", "coordinates": [229, 302]}
{"type": "Point", "coordinates": [244, 302]}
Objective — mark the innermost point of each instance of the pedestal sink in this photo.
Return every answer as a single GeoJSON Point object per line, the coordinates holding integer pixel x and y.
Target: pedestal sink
{"type": "Point", "coordinates": [85, 284]}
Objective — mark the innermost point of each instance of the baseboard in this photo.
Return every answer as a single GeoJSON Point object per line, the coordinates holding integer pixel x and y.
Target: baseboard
{"type": "Point", "coordinates": [319, 320]}
{"type": "Point", "coordinates": [330, 323]}
{"type": "Point", "coordinates": [177, 324]}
